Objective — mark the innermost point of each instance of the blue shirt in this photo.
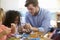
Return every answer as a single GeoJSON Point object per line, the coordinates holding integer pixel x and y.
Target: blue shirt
{"type": "Point", "coordinates": [41, 20]}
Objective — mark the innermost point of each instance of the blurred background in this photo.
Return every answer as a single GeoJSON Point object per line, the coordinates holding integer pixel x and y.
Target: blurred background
{"type": "Point", "coordinates": [52, 5]}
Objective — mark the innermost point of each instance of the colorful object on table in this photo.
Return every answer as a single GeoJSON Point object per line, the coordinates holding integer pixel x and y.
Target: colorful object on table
{"type": "Point", "coordinates": [13, 38]}
{"type": "Point", "coordinates": [25, 35]}
{"type": "Point", "coordinates": [35, 39]}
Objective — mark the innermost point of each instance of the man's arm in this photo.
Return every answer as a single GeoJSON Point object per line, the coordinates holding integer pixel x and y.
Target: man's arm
{"type": "Point", "coordinates": [48, 22]}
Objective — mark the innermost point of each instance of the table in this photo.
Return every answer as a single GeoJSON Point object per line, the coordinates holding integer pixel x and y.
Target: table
{"type": "Point", "coordinates": [34, 35]}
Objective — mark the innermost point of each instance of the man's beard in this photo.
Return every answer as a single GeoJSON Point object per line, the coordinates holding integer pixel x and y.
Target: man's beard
{"type": "Point", "coordinates": [36, 13]}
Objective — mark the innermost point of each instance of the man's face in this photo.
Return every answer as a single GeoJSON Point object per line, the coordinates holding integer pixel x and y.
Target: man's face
{"type": "Point", "coordinates": [31, 9]}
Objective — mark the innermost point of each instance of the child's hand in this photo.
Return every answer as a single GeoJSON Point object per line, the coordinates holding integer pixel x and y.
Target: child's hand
{"type": "Point", "coordinates": [13, 28]}
{"type": "Point", "coordinates": [7, 31]}
{"type": "Point", "coordinates": [13, 25]}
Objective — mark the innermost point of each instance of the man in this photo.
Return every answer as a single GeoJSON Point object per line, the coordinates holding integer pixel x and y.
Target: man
{"type": "Point", "coordinates": [39, 19]}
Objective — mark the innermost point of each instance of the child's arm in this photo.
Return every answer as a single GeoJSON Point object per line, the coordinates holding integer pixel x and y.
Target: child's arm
{"type": "Point", "coordinates": [5, 32]}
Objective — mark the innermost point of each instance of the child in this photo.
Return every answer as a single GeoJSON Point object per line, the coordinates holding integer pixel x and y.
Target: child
{"type": "Point", "coordinates": [12, 19]}
{"type": "Point", "coordinates": [4, 31]}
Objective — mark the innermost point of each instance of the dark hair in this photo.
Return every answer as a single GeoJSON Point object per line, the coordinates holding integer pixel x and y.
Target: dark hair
{"type": "Point", "coordinates": [34, 2]}
{"type": "Point", "coordinates": [10, 17]}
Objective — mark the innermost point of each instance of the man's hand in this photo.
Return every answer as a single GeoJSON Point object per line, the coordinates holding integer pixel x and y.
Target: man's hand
{"type": "Point", "coordinates": [22, 30]}
{"type": "Point", "coordinates": [27, 26]}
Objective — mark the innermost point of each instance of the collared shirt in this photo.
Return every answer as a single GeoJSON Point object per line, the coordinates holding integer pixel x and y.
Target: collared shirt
{"type": "Point", "coordinates": [42, 21]}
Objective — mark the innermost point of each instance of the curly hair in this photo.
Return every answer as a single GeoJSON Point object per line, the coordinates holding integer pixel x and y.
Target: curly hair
{"type": "Point", "coordinates": [34, 2]}
{"type": "Point", "coordinates": [10, 17]}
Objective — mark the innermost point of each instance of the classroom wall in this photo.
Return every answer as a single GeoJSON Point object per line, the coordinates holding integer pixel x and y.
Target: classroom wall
{"type": "Point", "coordinates": [11, 4]}
{"type": "Point", "coordinates": [53, 5]}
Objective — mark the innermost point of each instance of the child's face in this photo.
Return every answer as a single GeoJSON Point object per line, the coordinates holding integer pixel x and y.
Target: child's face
{"type": "Point", "coordinates": [16, 20]}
